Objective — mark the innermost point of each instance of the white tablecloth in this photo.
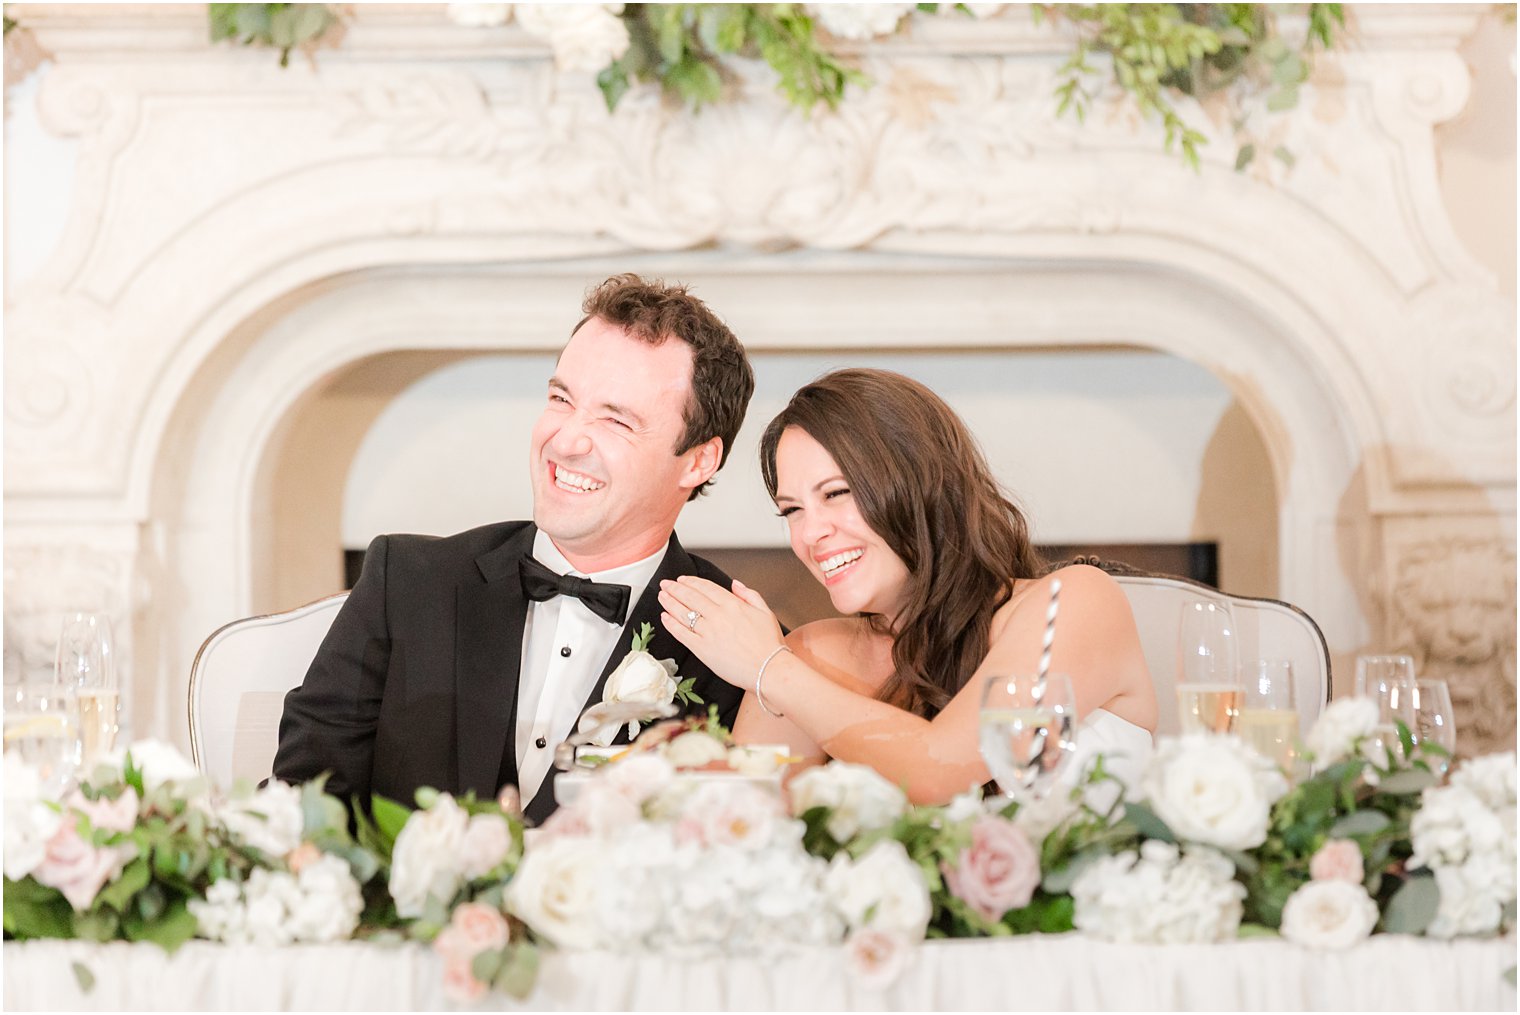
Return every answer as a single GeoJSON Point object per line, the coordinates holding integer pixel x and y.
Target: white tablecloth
{"type": "Point", "coordinates": [1388, 973]}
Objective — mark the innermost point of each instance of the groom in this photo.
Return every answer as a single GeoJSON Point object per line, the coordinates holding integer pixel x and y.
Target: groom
{"type": "Point", "coordinates": [460, 662]}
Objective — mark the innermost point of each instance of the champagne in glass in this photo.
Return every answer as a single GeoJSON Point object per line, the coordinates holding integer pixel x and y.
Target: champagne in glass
{"type": "Point", "coordinates": [1434, 722]}
{"type": "Point", "coordinates": [85, 665]}
{"type": "Point", "coordinates": [1027, 732]}
{"type": "Point", "coordinates": [1268, 720]}
{"type": "Point", "coordinates": [1208, 680]}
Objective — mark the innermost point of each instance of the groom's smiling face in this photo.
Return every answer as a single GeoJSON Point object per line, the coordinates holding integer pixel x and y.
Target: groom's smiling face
{"type": "Point", "coordinates": [607, 482]}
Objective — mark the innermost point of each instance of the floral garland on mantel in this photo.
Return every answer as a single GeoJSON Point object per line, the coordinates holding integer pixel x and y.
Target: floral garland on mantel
{"type": "Point", "coordinates": [1232, 58]}
{"type": "Point", "coordinates": [1214, 844]}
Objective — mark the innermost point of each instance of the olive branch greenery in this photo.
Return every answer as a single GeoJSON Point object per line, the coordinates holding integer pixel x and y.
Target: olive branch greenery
{"type": "Point", "coordinates": [1229, 57]}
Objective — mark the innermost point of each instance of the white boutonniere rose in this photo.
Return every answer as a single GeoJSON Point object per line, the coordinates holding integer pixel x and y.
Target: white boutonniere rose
{"type": "Point", "coordinates": [641, 678]}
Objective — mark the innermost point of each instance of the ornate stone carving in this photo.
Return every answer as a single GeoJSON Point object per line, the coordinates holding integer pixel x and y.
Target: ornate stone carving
{"type": "Point", "coordinates": [1453, 608]}
{"type": "Point", "coordinates": [42, 583]}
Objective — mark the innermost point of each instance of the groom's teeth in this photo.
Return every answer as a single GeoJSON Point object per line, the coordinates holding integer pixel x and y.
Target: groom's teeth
{"type": "Point", "coordinates": [566, 480]}
{"type": "Point", "coordinates": [838, 561]}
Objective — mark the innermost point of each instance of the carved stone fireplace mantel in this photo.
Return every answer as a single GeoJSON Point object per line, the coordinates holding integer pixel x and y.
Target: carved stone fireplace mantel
{"type": "Point", "coordinates": [239, 232]}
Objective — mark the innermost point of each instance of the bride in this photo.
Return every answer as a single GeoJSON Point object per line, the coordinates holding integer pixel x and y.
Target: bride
{"type": "Point", "coordinates": [890, 504]}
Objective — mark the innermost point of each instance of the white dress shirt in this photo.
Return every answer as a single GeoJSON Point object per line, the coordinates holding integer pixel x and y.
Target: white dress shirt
{"type": "Point", "coordinates": [565, 646]}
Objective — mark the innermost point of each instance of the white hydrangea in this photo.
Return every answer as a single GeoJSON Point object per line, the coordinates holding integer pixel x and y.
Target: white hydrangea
{"type": "Point", "coordinates": [479, 15]}
{"type": "Point", "coordinates": [320, 905]}
{"type": "Point", "coordinates": [269, 820]}
{"type": "Point", "coordinates": [860, 800]}
{"type": "Point", "coordinates": [1335, 733]}
{"type": "Point", "coordinates": [1465, 833]}
{"type": "Point", "coordinates": [1160, 895]}
{"type": "Point", "coordinates": [859, 21]}
{"type": "Point", "coordinates": [1213, 789]}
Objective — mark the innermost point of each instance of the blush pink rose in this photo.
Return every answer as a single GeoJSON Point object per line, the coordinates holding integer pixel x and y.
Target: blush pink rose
{"type": "Point", "coordinates": [459, 983]}
{"type": "Point", "coordinates": [304, 854]}
{"type": "Point", "coordinates": [481, 928]}
{"type": "Point", "coordinates": [1338, 860]}
{"type": "Point", "coordinates": [877, 957]}
{"type": "Point", "coordinates": [510, 801]}
{"type": "Point", "coordinates": [567, 822]}
{"type": "Point", "coordinates": [74, 865]}
{"type": "Point", "coordinates": [999, 871]}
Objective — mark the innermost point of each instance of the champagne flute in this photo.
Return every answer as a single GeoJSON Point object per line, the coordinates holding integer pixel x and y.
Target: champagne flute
{"type": "Point", "coordinates": [1208, 677]}
{"type": "Point", "coordinates": [1388, 680]}
{"type": "Point", "coordinates": [1268, 720]}
{"type": "Point", "coordinates": [1027, 732]}
{"type": "Point", "coordinates": [85, 664]}
{"type": "Point", "coordinates": [1434, 722]}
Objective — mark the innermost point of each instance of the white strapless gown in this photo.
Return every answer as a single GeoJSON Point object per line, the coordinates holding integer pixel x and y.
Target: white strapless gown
{"type": "Point", "coordinates": [1125, 748]}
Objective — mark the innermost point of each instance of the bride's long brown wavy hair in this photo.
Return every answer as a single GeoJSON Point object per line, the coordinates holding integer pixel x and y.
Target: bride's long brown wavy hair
{"type": "Point", "coordinates": [923, 485]}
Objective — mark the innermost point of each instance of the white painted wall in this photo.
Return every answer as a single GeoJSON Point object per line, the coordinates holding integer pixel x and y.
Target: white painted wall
{"type": "Point", "coordinates": [1069, 433]}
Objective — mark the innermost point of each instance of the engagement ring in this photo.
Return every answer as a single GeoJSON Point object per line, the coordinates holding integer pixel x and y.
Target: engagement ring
{"type": "Point", "coordinates": [692, 616]}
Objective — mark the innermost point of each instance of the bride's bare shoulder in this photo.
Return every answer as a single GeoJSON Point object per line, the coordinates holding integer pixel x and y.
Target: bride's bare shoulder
{"type": "Point", "coordinates": [845, 650]}
{"type": "Point", "coordinates": [1085, 590]}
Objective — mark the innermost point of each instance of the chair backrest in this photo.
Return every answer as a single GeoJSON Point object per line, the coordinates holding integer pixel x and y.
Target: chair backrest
{"type": "Point", "coordinates": [238, 684]}
{"type": "Point", "coordinates": [1268, 629]}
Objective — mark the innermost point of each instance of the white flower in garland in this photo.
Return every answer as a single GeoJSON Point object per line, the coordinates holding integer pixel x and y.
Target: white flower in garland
{"type": "Point", "coordinates": [1160, 895]}
{"type": "Point", "coordinates": [859, 21]}
{"type": "Point", "coordinates": [269, 820]}
{"type": "Point", "coordinates": [479, 15]}
{"type": "Point", "coordinates": [321, 904]}
{"type": "Point", "coordinates": [883, 890]}
{"type": "Point", "coordinates": [584, 37]}
{"type": "Point", "coordinates": [1465, 833]}
{"type": "Point", "coordinates": [1329, 914]}
{"type": "Point", "coordinates": [859, 799]}
{"type": "Point", "coordinates": [29, 822]}
{"type": "Point", "coordinates": [1335, 733]}
{"type": "Point", "coordinates": [428, 858]}
{"type": "Point", "coordinates": [1213, 789]}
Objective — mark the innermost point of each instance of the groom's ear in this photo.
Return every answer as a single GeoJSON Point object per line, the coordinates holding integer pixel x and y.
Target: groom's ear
{"type": "Point", "coordinates": [701, 462]}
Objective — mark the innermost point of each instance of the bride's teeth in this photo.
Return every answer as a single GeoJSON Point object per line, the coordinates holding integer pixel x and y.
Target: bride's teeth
{"type": "Point", "coordinates": [838, 561]}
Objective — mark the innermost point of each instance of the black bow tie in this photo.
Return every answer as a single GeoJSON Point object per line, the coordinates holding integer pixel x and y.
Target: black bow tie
{"type": "Point", "coordinates": [608, 601]}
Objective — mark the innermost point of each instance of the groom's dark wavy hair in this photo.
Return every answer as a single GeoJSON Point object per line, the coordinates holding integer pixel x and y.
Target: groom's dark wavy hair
{"type": "Point", "coordinates": [923, 485]}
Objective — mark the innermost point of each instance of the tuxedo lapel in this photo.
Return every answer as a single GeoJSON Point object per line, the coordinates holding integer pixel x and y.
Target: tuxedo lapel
{"type": "Point", "coordinates": [662, 645]}
{"type": "Point", "coordinates": [488, 655]}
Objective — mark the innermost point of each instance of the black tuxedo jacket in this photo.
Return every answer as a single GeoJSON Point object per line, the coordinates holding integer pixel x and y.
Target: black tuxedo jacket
{"type": "Point", "coordinates": [416, 682]}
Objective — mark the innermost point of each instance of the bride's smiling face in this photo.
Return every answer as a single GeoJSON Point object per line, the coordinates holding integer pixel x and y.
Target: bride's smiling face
{"type": "Point", "coordinates": [828, 533]}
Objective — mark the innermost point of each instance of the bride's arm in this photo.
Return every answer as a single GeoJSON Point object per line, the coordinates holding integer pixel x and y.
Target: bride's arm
{"type": "Point", "coordinates": [1096, 645]}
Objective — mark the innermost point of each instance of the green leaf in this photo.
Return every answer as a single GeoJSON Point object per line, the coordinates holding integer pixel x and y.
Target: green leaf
{"type": "Point", "coordinates": [1359, 823]}
{"type": "Point", "coordinates": [118, 894]}
{"type": "Point", "coordinates": [1250, 930]}
{"type": "Point", "coordinates": [641, 639]}
{"type": "Point", "coordinates": [390, 817]}
{"type": "Point", "coordinates": [36, 911]}
{"type": "Point", "coordinates": [1059, 880]}
{"type": "Point", "coordinates": [487, 964]}
{"type": "Point", "coordinates": [614, 83]}
{"type": "Point", "coordinates": [1145, 820]}
{"type": "Point", "coordinates": [174, 928]}
{"type": "Point", "coordinates": [519, 972]}
{"type": "Point", "coordinates": [83, 977]}
{"type": "Point", "coordinates": [1284, 156]}
{"type": "Point", "coordinates": [1407, 782]}
{"type": "Point", "coordinates": [1413, 906]}
{"type": "Point", "coordinates": [1244, 156]}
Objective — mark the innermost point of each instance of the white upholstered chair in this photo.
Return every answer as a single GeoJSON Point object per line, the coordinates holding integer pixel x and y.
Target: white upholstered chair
{"type": "Point", "coordinates": [238, 684]}
{"type": "Point", "coordinates": [1268, 629]}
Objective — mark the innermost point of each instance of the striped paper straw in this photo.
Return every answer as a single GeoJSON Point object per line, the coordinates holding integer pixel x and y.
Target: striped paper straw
{"type": "Point", "coordinates": [1050, 629]}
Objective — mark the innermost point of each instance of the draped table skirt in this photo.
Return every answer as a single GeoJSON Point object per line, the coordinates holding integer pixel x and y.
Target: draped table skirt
{"type": "Point", "coordinates": [1032, 973]}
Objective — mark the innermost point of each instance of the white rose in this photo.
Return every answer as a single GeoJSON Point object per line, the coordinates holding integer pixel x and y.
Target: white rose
{"type": "Point", "coordinates": [860, 799]}
{"type": "Point", "coordinates": [1329, 914]}
{"type": "Point", "coordinates": [29, 822]}
{"type": "Point", "coordinates": [859, 21]}
{"type": "Point", "coordinates": [269, 820]}
{"type": "Point", "coordinates": [884, 883]}
{"type": "Point", "coordinates": [877, 957]}
{"type": "Point", "coordinates": [1213, 789]}
{"type": "Point", "coordinates": [755, 762]}
{"type": "Point", "coordinates": [584, 37]}
{"type": "Point", "coordinates": [426, 858]}
{"type": "Point", "coordinates": [1041, 816]}
{"type": "Point", "coordinates": [1338, 727]}
{"type": "Point", "coordinates": [487, 838]}
{"type": "Point", "coordinates": [640, 678]}
{"type": "Point", "coordinates": [555, 890]}
{"type": "Point", "coordinates": [739, 815]}
{"type": "Point", "coordinates": [479, 15]}
{"type": "Point", "coordinates": [694, 749]}
{"type": "Point", "coordinates": [159, 763]}
{"type": "Point", "coordinates": [329, 903]}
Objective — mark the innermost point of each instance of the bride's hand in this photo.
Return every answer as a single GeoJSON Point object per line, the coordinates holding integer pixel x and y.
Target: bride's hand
{"type": "Point", "coordinates": [734, 631]}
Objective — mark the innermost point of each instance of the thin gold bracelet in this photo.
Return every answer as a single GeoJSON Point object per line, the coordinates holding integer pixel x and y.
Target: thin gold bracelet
{"type": "Point", "coordinates": [761, 676]}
